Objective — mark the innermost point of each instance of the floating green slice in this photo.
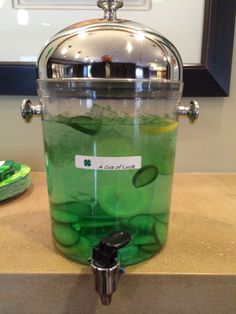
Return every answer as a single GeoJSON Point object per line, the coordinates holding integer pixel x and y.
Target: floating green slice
{"type": "Point", "coordinates": [62, 216]}
{"type": "Point", "coordinates": [80, 248]}
{"type": "Point", "coordinates": [163, 218]}
{"type": "Point", "coordinates": [161, 231]}
{"type": "Point", "coordinates": [93, 223]}
{"type": "Point", "coordinates": [145, 176]}
{"type": "Point", "coordinates": [75, 208]}
{"type": "Point", "coordinates": [94, 235]}
{"type": "Point", "coordinates": [127, 254]}
{"type": "Point", "coordinates": [144, 239]}
{"type": "Point", "coordinates": [85, 124]}
{"type": "Point", "coordinates": [77, 226]}
{"type": "Point", "coordinates": [142, 222]}
{"type": "Point", "coordinates": [65, 235]}
{"type": "Point", "coordinates": [150, 248]}
{"type": "Point", "coordinates": [122, 201]}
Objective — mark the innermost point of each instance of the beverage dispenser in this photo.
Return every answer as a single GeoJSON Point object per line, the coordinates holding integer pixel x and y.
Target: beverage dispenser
{"type": "Point", "coordinates": [109, 99]}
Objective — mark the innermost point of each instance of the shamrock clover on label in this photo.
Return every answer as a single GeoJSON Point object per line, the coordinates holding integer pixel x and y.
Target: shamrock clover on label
{"type": "Point", "coordinates": [87, 163]}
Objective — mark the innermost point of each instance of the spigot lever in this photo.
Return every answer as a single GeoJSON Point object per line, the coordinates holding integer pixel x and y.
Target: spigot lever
{"type": "Point", "coordinates": [105, 253]}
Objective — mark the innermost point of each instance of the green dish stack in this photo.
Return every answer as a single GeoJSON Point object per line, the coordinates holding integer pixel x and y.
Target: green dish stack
{"type": "Point", "coordinates": [14, 179]}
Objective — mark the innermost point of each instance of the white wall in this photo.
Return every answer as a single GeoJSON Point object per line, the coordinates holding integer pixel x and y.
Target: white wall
{"type": "Point", "coordinates": [35, 27]}
{"type": "Point", "coordinates": [208, 145]}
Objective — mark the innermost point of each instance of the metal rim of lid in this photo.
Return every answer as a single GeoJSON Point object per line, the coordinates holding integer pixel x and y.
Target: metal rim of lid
{"type": "Point", "coordinates": [134, 51]}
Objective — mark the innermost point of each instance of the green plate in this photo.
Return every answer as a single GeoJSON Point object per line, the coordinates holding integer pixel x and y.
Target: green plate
{"type": "Point", "coordinates": [16, 183]}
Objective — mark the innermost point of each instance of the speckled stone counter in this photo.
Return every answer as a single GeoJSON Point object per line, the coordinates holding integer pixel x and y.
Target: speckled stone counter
{"type": "Point", "coordinates": [195, 273]}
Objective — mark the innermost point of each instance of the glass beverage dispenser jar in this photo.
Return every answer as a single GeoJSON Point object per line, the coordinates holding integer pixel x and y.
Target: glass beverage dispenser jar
{"type": "Point", "coordinates": [109, 94]}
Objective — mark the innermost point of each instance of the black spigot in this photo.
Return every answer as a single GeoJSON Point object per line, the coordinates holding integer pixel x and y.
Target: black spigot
{"type": "Point", "coordinates": [105, 266]}
{"type": "Point", "coordinates": [105, 253]}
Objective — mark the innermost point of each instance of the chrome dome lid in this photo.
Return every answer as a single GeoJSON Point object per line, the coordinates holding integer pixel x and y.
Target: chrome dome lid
{"type": "Point", "coordinates": [109, 48]}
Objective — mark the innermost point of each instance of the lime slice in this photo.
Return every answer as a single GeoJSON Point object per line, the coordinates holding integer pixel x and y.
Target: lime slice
{"type": "Point", "coordinates": [163, 126]}
{"type": "Point", "coordinates": [122, 201]}
{"type": "Point", "coordinates": [144, 176]}
{"type": "Point", "coordinates": [65, 235]}
{"type": "Point", "coordinates": [85, 124]}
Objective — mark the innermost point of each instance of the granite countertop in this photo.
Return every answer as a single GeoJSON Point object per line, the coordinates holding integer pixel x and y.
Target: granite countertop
{"type": "Point", "coordinates": [201, 242]}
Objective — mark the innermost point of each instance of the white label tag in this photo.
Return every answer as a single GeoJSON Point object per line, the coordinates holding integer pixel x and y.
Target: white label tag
{"type": "Point", "coordinates": [2, 163]}
{"type": "Point", "coordinates": [108, 163]}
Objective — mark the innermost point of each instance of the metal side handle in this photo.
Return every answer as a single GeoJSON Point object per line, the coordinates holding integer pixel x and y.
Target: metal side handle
{"type": "Point", "coordinates": [191, 111]}
{"type": "Point", "coordinates": [28, 110]}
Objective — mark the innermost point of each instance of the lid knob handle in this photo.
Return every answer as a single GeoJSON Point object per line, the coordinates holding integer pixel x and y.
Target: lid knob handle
{"type": "Point", "coordinates": [110, 7]}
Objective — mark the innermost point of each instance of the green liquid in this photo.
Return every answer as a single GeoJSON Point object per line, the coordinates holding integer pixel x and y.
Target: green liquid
{"type": "Point", "coordinates": [87, 205]}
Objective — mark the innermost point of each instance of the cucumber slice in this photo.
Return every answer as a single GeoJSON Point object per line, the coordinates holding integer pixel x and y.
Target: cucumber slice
{"type": "Point", "coordinates": [80, 248]}
{"type": "Point", "coordinates": [144, 240]}
{"type": "Point", "coordinates": [94, 235]}
{"type": "Point", "coordinates": [61, 216]}
{"type": "Point", "coordinates": [77, 226]}
{"type": "Point", "coordinates": [85, 124]}
{"type": "Point", "coordinates": [161, 231]}
{"type": "Point", "coordinates": [78, 209]}
{"type": "Point", "coordinates": [127, 254]}
{"type": "Point", "coordinates": [95, 223]}
{"type": "Point", "coordinates": [64, 234]}
{"type": "Point", "coordinates": [143, 223]}
{"type": "Point", "coordinates": [145, 176]}
{"type": "Point", "coordinates": [163, 218]}
{"type": "Point", "coordinates": [150, 248]}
